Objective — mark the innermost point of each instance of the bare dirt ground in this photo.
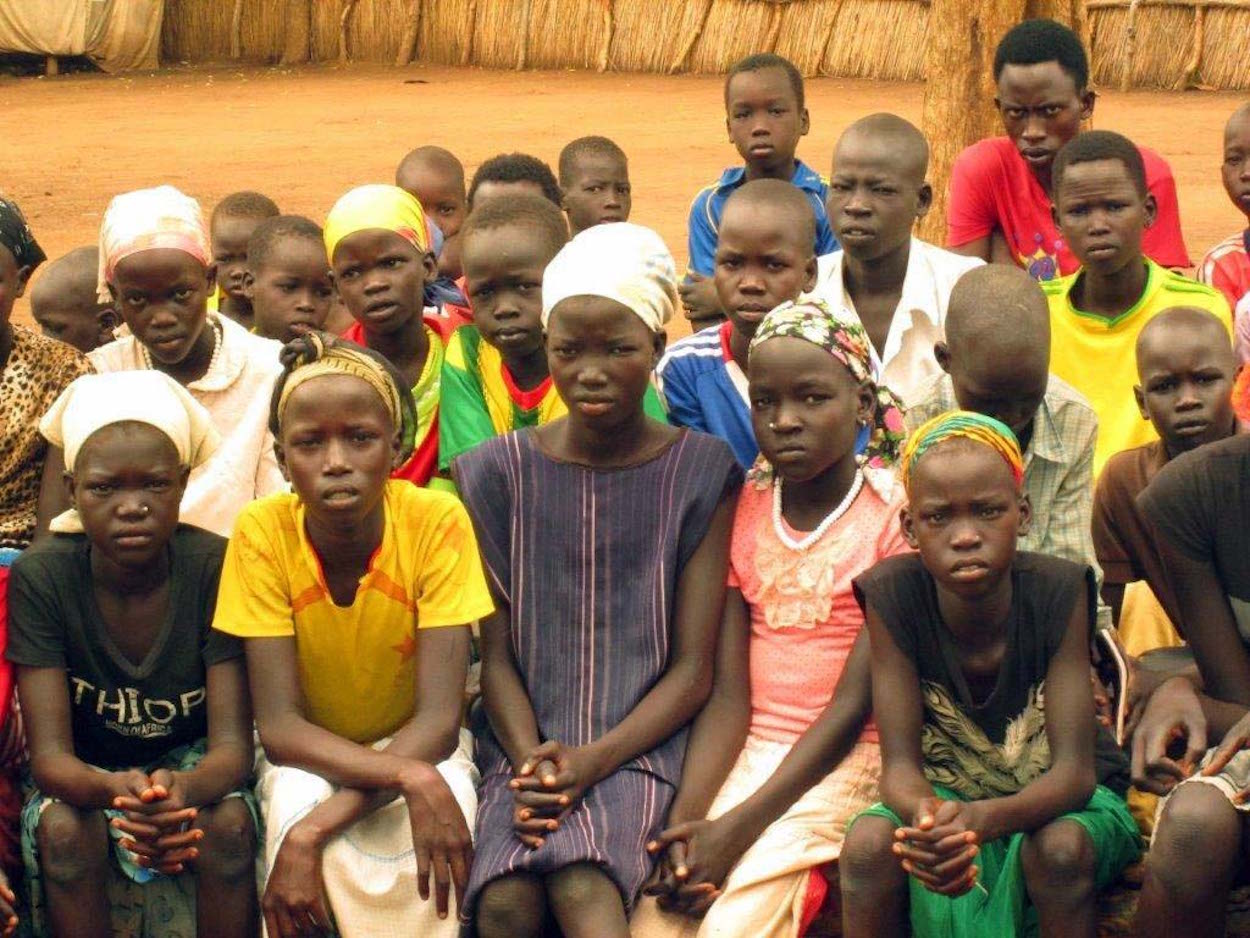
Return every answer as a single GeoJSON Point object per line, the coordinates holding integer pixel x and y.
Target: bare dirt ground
{"type": "Point", "coordinates": [304, 136]}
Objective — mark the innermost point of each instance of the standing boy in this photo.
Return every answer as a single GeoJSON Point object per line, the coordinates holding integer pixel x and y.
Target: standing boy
{"type": "Point", "coordinates": [1103, 208]}
{"type": "Point", "coordinates": [63, 302]}
{"type": "Point", "coordinates": [896, 286]}
{"type": "Point", "coordinates": [765, 115]}
{"type": "Point", "coordinates": [1227, 265]}
{"type": "Point", "coordinates": [436, 178]}
{"type": "Point", "coordinates": [233, 221]}
{"type": "Point", "coordinates": [1000, 189]}
{"type": "Point", "coordinates": [594, 183]}
{"type": "Point", "coordinates": [764, 258]}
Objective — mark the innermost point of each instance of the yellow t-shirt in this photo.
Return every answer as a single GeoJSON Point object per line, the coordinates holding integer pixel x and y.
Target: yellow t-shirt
{"type": "Point", "coordinates": [357, 663]}
{"type": "Point", "coordinates": [1098, 356]}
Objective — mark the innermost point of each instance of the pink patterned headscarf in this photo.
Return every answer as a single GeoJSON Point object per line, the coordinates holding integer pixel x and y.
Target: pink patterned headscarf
{"type": "Point", "coordinates": [147, 219]}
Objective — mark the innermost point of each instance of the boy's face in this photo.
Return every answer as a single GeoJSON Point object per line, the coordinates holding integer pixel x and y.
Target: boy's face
{"type": "Point", "coordinates": [162, 295]}
{"type": "Point", "coordinates": [964, 515]}
{"type": "Point", "coordinates": [338, 447]}
{"type": "Point", "coordinates": [601, 356]}
{"type": "Point", "coordinates": [85, 327]}
{"type": "Point", "coordinates": [230, 236]}
{"type": "Point", "coordinates": [127, 485]}
{"type": "Point", "coordinates": [1186, 386]}
{"type": "Point", "coordinates": [1235, 170]}
{"type": "Point", "coordinates": [995, 382]}
{"type": "Point", "coordinates": [875, 196]}
{"type": "Point", "coordinates": [441, 195]}
{"type": "Point", "coordinates": [1042, 109]}
{"type": "Point", "coordinates": [12, 283]}
{"type": "Point", "coordinates": [1102, 215]}
{"type": "Point", "coordinates": [290, 291]}
{"type": "Point", "coordinates": [503, 269]}
{"type": "Point", "coordinates": [381, 278]}
{"type": "Point", "coordinates": [764, 119]}
{"type": "Point", "coordinates": [763, 259]}
{"type": "Point", "coordinates": [599, 192]}
{"type": "Point", "coordinates": [806, 407]}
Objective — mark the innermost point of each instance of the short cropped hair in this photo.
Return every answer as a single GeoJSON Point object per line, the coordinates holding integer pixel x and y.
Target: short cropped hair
{"type": "Point", "coordinates": [1034, 41]}
{"type": "Point", "coordinates": [765, 60]}
{"type": "Point", "coordinates": [517, 167]}
{"type": "Point", "coordinates": [245, 205]}
{"type": "Point", "coordinates": [586, 146]}
{"type": "Point", "coordinates": [524, 209]}
{"type": "Point", "coordinates": [1095, 145]}
{"type": "Point", "coordinates": [272, 230]}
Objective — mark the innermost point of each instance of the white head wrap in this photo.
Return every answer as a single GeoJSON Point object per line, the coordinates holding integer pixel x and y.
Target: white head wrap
{"type": "Point", "coordinates": [146, 219]}
{"type": "Point", "coordinates": [95, 401]}
{"type": "Point", "coordinates": [623, 262]}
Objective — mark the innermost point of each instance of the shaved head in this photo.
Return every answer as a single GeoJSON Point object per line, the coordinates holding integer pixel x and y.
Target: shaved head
{"type": "Point", "coordinates": [428, 160]}
{"type": "Point", "coordinates": [70, 279]}
{"type": "Point", "coordinates": [63, 302]}
{"type": "Point", "coordinates": [1237, 119]}
{"type": "Point", "coordinates": [894, 139]}
{"type": "Point", "coordinates": [775, 198]}
{"type": "Point", "coordinates": [1173, 327]}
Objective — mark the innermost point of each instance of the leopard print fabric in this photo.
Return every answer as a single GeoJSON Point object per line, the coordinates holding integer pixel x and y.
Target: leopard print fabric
{"type": "Point", "coordinates": [37, 371]}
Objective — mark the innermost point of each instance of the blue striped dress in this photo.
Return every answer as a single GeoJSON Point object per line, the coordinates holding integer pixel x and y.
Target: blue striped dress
{"type": "Point", "coordinates": [588, 562]}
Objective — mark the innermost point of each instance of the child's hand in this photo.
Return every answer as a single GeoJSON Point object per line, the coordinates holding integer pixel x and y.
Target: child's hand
{"type": "Point", "coordinates": [440, 835]}
{"type": "Point", "coordinates": [699, 299]}
{"type": "Point", "coordinates": [294, 897]}
{"type": "Point", "coordinates": [1237, 739]}
{"type": "Point", "coordinates": [553, 768]}
{"type": "Point", "coordinates": [1172, 713]}
{"type": "Point", "coordinates": [941, 845]}
{"type": "Point", "coordinates": [700, 855]}
{"type": "Point", "coordinates": [535, 812]}
{"type": "Point", "coordinates": [8, 906]}
{"type": "Point", "coordinates": [157, 824]}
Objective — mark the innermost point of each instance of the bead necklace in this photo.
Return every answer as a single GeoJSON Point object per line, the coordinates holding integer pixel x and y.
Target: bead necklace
{"type": "Point", "coordinates": [830, 519]}
{"type": "Point", "coordinates": [212, 362]}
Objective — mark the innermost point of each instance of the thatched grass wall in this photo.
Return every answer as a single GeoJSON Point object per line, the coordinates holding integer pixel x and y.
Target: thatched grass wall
{"type": "Point", "coordinates": [1175, 44]}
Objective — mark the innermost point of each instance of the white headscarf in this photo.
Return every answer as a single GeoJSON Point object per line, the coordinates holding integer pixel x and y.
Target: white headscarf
{"type": "Point", "coordinates": [146, 219]}
{"type": "Point", "coordinates": [93, 402]}
{"type": "Point", "coordinates": [623, 262]}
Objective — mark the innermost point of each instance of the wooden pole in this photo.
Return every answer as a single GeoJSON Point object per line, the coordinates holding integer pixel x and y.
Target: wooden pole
{"type": "Point", "coordinates": [344, 21]}
{"type": "Point", "coordinates": [1193, 68]}
{"type": "Point", "coordinates": [959, 81]}
{"type": "Point", "coordinates": [688, 45]}
{"type": "Point", "coordinates": [408, 47]}
{"type": "Point", "coordinates": [605, 50]}
{"type": "Point", "coordinates": [298, 46]}
{"type": "Point", "coordinates": [236, 30]}
{"type": "Point", "coordinates": [467, 52]}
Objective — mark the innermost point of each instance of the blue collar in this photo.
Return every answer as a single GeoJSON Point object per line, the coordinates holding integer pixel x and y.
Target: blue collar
{"type": "Point", "coordinates": [804, 177]}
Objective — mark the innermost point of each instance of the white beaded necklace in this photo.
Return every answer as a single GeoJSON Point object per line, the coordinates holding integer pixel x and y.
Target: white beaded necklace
{"type": "Point", "coordinates": [829, 520]}
{"type": "Point", "coordinates": [212, 362]}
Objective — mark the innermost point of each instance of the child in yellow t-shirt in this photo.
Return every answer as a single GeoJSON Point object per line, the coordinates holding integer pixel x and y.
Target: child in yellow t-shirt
{"type": "Point", "coordinates": [1102, 207]}
{"type": "Point", "coordinates": [354, 596]}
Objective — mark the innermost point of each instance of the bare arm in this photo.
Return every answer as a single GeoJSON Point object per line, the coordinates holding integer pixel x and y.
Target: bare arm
{"type": "Point", "coordinates": [504, 696]}
{"type": "Point", "coordinates": [53, 498]}
{"type": "Point", "coordinates": [228, 762]}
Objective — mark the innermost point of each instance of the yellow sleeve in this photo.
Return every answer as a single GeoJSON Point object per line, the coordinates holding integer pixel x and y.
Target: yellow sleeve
{"type": "Point", "coordinates": [254, 598]}
{"type": "Point", "coordinates": [451, 588]}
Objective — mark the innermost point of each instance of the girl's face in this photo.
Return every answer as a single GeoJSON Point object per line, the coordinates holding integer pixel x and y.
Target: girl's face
{"type": "Point", "coordinates": [162, 295]}
{"type": "Point", "coordinates": [601, 356]}
{"type": "Point", "coordinates": [381, 278]}
{"type": "Point", "coordinates": [806, 407]}
{"type": "Point", "coordinates": [337, 446]}
{"type": "Point", "coordinates": [127, 485]}
{"type": "Point", "coordinates": [12, 283]}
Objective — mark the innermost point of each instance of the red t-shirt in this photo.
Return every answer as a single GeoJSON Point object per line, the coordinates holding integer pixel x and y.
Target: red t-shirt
{"type": "Point", "coordinates": [1227, 267]}
{"type": "Point", "coordinates": [993, 187]}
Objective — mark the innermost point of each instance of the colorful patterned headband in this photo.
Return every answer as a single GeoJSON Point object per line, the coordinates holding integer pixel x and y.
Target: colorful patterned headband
{"type": "Point", "coordinates": [962, 424]}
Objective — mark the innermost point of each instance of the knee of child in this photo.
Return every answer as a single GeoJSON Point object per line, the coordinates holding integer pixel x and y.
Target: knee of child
{"type": "Point", "coordinates": [510, 906]}
{"type": "Point", "coordinates": [1197, 821]}
{"type": "Point", "coordinates": [1059, 856]}
{"type": "Point", "coordinates": [867, 859]}
{"type": "Point", "coordinates": [72, 844]}
{"type": "Point", "coordinates": [228, 848]}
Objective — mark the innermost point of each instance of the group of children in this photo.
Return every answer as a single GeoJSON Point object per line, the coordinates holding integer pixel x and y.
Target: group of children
{"type": "Point", "coordinates": [395, 573]}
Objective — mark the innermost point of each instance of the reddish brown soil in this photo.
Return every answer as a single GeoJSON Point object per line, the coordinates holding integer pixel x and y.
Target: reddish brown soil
{"type": "Point", "coordinates": [303, 136]}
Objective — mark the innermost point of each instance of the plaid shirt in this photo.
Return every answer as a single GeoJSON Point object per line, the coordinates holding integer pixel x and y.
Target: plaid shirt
{"type": "Point", "coordinates": [1058, 468]}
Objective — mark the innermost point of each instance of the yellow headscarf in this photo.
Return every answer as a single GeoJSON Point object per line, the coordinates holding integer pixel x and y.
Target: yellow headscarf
{"type": "Point", "coordinates": [965, 424]}
{"type": "Point", "coordinates": [377, 206]}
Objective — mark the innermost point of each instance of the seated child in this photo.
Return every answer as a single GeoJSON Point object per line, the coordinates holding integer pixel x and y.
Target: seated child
{"type": "Point", "coordinates": [136, 711]}
{"type": "Point", "coordinates": [376, 239]}
{"type": "Point", "coordinates": [1227, 265]}
{"type": "Point", "coordinates": [584, 747]}
{"type": "Point", "coordinates": [594, 183]}
{"type": "Point", "coordinates": [784, 754]}
{"type": "Point", "coordinates": [510, 173]}
{"type": "Point", "coordinates": [764, 258]}
{"type": "Point", "coordinates": [288, 278]}
{"type": "Point", "coordinates": [893, 284]}
{"type": "Point", "coordinates": [63, 302]}
{"type": "Point", "coordinates": [1185, 369]}
{"type": "Point", "coordinates": [995, 361]}
{"type": "Point", "coordinates": [765, 116]}
{"type": "Point", "coordinates": [435, 178]}
{"type": "Point", "coordinates": [495, 374]}
{"type": "Point", "coordinates": [233, 221]}
{"type": "Point", "coordinates": [1001, 188]}
{"type": "Point", "coordinates": [996, 819]}
{"type": "Point", "coordinates": [353, 595]}
{"type": "Point", "coordinates": [155, 265]}
{"type": "Point", "coordinates": [1197, 504]}
{"type": "Point", "coordinates": [1103, 208]}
